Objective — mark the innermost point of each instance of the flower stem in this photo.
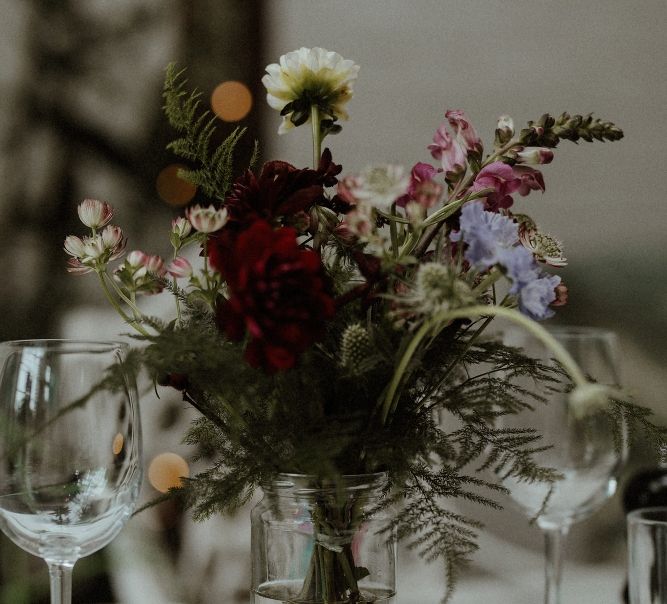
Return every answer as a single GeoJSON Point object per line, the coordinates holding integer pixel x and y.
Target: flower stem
{"type": "Point", "coordinates": [116, 306]}
{"type": "Point", "coordinates": [393, 231]}
{"type": "Point", "coordinates": [440, 321]}
{"type": "Point", "coordinates": [317, 135]}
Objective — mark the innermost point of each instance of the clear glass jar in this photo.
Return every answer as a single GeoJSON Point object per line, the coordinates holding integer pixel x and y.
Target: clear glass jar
{"type": "Point", "coordinates": [317, 542]}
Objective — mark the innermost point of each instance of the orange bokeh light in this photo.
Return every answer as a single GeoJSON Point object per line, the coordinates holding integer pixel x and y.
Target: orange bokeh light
{"type": "Point", "coordinates": [231, 101]}
{"type": "Point", "coordinates": [173, 189]}
{"type": "Point", "coordinates": [166, 470]}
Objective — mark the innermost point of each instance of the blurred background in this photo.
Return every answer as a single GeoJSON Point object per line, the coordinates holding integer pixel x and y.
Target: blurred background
{"type": "Point", "coordinates": [80, 116]}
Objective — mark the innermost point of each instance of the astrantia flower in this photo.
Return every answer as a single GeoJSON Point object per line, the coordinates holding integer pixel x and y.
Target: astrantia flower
{"type": "Point", "coordinates": [207, 220]}
{"type": "Point", "coordinates": [181, 227]}
{"type": "Point", "coordinates": [179, 267]}
{"type": "Point", "coordinates": [94, 213]}
{"type": "Point", "coordinates": [545, 247]}
{"type": "Point", "coordinates": [95, 251]}
{"type": "Point", "coordinates": [278, 295]}
{"type": "Point", "coordinates": [378, 186]}
{"type": "Point", "coordinates": [141, 273]}
{"type": "Point", "coordinates": [306, 77]}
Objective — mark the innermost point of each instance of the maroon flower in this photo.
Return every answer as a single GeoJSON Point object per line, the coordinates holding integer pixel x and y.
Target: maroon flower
{"type": "Point", "coordinates": [280, 190]}
{"type": "Point", "coordinates": [278, 295]}
{"type": "Point", "coordinates": [531, 179]}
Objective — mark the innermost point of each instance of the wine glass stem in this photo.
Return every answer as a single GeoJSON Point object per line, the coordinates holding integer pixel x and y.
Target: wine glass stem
{"type": "Point", "coordinates": [60, 574]}
{"type": "Point", "coordinates": [554, 539]}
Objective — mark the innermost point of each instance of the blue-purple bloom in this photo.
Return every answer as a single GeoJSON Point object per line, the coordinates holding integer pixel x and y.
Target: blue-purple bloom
{"type": "Point", "coordinates": [487, 234]}
{"type": "Point", "coordinates": [494, 239]}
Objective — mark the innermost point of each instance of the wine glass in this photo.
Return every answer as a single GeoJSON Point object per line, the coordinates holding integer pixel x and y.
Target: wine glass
{"type": "Point", "coordinates": [582, 449]}
{"type": "Point", "coordinates": [70, 450]}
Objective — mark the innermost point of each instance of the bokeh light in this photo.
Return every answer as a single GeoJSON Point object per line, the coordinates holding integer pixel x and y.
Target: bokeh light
{"type": "Point", "coordinates": [231, 101]}
{"type": "Point", "coordinates": [172, 188]}
{"type": "Point", "coordinates": [166, 470]}
{"type": "Point", "coordinates": [117, 445]}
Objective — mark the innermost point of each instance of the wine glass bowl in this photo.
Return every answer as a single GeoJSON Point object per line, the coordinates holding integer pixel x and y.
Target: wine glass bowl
{"type": "Point", "coordinates": [584, 449]}
{"type": "Point", "coordinates": [70, 452]}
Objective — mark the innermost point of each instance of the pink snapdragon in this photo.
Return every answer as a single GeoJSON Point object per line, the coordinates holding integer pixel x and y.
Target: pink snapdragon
{"type": "Point", "coordinates": [422, 188]}
{"type": "Point", "coordinates": [501, 178]}
{"type": "Point", "coordinates": [531, 180]}
{"type": "Point", "coordinates": [450, 153]}
{"type": "Point", "coordinates": [95, 214]}
{"type": "Point", "coordinates": [466, 135]}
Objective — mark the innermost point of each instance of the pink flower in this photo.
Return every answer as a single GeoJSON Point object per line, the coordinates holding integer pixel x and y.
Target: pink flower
{"type": "Point", "coordinates": [74, 246]}
{"type": "Point", "coordinates": [501, 178]}
{"type": "Point", "coordinates": [112, 237]}
{"type": "Point", "coordinates": [561, 295]}
{"type": "Point", "coordinates": [531, 179]}
{"type": "Point", "coordinates": [422, 188]}
{"type": "Point", "coordinates": [136, 258]}
{"type": "Point", "coordinates": [449, 152]}
{"type": "Point", "coordinates": [466, 135]}
{"type": "Point", "coordinates": [207, 220]}
{"type": "Point", "coordinates": [94, 213]}
{"type": "Point", "coordinates": [534, 155]}
{"type": "Point", "coordinates": [179, 267]}
{"type": "Point", "coordinates": [75, 266]}
{"type": "Point", "coordinates": [155, 265]}
{"type": "Point", "coordinates": [347, 186]}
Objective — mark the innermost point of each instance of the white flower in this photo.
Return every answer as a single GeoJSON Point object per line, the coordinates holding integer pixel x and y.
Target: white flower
{"type": "Point", "coordinates": [309, 76]}
{"type": "Point", "coordinates": [589, 398]}
{"type": "Point", "coordinates": [207, 220]}
{"type": "Point", "coordinates": [380, 186]}
{"type": "Point", "coordinates": [94, 213]}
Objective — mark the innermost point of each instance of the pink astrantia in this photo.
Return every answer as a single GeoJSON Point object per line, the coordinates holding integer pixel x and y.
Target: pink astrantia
{"type": "Point", "coordinates": [95, 214]}
{"type": "Point", "coordinates": [207, 220]}
{"type": "Point", "coordinates": [501, 178]}
{"type": "Point", "coordinates": [450, 153]}
{"type": "Point", "coordinates": [179, 267]}
{"type": "Point", "coordinates": [466, 135]}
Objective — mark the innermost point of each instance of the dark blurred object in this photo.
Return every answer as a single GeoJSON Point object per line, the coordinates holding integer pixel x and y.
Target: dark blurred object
{"type": "Point", "coordinates": [645, 489]}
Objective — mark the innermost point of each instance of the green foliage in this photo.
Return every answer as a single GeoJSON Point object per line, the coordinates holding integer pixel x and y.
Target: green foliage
{"type": "Point", "coordinates": [182, 108]}
{"type": "Point", "coordinates": [548, 131]}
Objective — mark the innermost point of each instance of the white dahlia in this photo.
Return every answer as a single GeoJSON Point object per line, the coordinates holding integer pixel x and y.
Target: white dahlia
{"type": "Point", "coordinates": [306, 77]}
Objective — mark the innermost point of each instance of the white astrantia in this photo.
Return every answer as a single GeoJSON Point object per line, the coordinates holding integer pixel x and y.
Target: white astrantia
{"type": "Point", "coordinates": [309, 76]}
{"type": "Point", "coordinates": [380, 185]}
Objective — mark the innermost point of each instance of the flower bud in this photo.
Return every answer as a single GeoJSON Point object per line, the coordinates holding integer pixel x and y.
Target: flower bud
{"type": "Point", "coordinates": [207, 220]}
{"type": "Point", "coordinates": [94, 213]}
{"type": "Point", "coordinates": [136, 258]}
{"type": "Point", "coordinates": [504, 130]}
{"type": "Point", "coordinates": [74, 246]}
{"type": "Point", "coordinates": [155, 264]}
{"type": "Point", "coordinates": [534, 155]}
{"type": "Point", "coordinates": [179, 267]}
{"type": "Point", "coordinates": [181, 227]}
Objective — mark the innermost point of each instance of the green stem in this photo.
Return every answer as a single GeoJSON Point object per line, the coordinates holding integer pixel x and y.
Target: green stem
{"type": "Point", "coordinates": [117, 307]}
{"type": "Point", "coordinates": [487, 282]}
{"type": "Point", "coordinates": [438, 322]}
{"type": "Point", "coordinates": [393, 231]}
{"type": "Point", "coordinates": [317, 135]}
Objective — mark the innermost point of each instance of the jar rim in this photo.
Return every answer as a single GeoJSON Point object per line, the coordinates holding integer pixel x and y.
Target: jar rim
{"type": "Point", "coordinates": [311, 483]}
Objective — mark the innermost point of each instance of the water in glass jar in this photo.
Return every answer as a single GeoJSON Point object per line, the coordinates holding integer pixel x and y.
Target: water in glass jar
{"type": "Point", "coordinates": [284, 592]}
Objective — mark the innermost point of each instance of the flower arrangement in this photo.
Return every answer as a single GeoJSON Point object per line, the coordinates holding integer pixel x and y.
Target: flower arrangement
{"type": "Point", "coordinates": [334, 323]}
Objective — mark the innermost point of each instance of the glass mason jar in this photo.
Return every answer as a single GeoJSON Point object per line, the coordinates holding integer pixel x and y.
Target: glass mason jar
{"type": "Point", "coordinates": [322, 542]}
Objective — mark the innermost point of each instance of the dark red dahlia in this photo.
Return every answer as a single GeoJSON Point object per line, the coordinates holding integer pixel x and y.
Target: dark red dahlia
{"type": "Point", "coordinates": [280, 190]}
{"type": "Point", "coordinates": [278, 295]}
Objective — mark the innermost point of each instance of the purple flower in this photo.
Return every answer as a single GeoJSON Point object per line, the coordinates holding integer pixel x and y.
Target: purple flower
{"type": "Point", "coordinates": [536, 296]}
{"type": "Point", "coordinates": [487, 234]}
{"type": "Point", "coordinates": [493, 239]}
